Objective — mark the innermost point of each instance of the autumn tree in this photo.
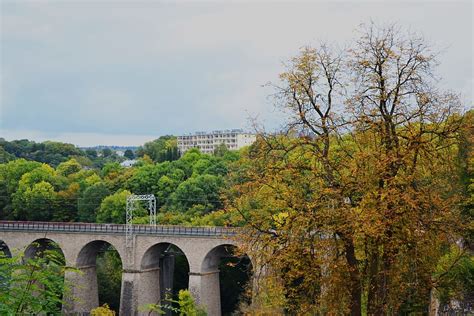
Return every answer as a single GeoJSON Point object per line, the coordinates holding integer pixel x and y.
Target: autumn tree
{"type": "Point", "coordinates": [354, 204]}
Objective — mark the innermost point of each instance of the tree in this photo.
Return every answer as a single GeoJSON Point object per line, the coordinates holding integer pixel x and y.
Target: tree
{"type": "Point", "coordinates": [88, 204]}
{"type": "Point", "coordinates": [186, 306]}
{"type": "Point", "coordinates": [109, 277]}
{"type": "Point", "coordinates": [466, 164]}
{"type": "Point", "coordinates": [200, 190]}
{"type": "Point", "coordinates": [32, 286]}
{"type": "Point", "coordinates": [103, 310]}
{"type": "Point", "coordinates": [162, 149]}
{"type": "Point", "coordinates": [68, 167]}
{"type": "Point", "coordinates": [66, 204]}
{"type": "Point", "coordinates": [91, 153]}
{"type": "Point", "coordinates": [221, 150]}
{"type": "Point", "coordinates": [10, 175]}
{"type": "Point", "coordinates": [35, 203]}
{"type": "Point", "coordinates": [113, 208]}
{"type": "Point", "coordinates": [107, 152]}
{"type": "Point", "coordinates": [360, 192]}
{"type": "Point", "coordinates": [35, 198]}
{"type": "Point", "coordinates": [52, 153]}
{"type": "Point", "coordinates": [129, 154]}
{"type": "Point", "coordinates": [5, 156]}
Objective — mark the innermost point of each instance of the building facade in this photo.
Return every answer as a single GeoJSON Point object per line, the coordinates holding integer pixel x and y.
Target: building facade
{"type": "Point", "coordinates": [207, 142]}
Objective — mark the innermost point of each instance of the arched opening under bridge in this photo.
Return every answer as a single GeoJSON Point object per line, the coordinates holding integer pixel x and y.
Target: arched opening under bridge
{"type": "Point", "coordinates": [164, 272]}
{"type": "Point", "coordinates": [235, 273]}
{"type": "Point", "coordinates": [5, 250]}
{"type": "Point", "coordinates": [100, 267]}
{"type": "Point", "coordinates": [44, 262]}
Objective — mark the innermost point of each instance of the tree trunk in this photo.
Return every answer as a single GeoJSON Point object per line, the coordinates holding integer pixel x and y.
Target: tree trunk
{"type": "Point", "coordinates": [356, 291]}
{"type": "Point", "coordinates": [372, 290]}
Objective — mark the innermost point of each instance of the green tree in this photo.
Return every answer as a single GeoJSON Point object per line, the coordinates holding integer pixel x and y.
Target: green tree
{"type": "Point", "coordinates": [109, 277]}
{"type": "Point", "coordinates": [187, 161]}
{"type": "Point", "coordinates": [68, 167]}
{"type": "Point", "coordinates": [35, 203]}
{"type": "Point", "coordinates": [5, 156]}
{"type": "Point", "coordinates": [129, 154]}
{"type": "Point", "coordinates": [162, 149]}
{"type": "Point", "coordinates": [10, 175]}
{"type": "Point", "coordinates": [454, 275]}
{"type": "Point", "coordinates": [35, 198]}
{"type": "Point", "coordinates": [91, 153]}
{"type": "Point", "coordinates": [200, 190]}
{"type": "Point", "coordinates": [89, 202]}
{"type": "Point", "coordinates": [66, 203]}
{"type": "Point", "coordinates": [33, 286]}
{"type": "Point", "coordinates": [160, 179]}
{"type": "Point", "coordinates": [221, 150]}
{"type": "Point", "coordinates": [52, 153]}
{"type": "Point", "coordinates": [113, 208]}
{"type": "Point", "coordinates": [107, 152]}
{"type": "Point", "coordinates": [186, 306]}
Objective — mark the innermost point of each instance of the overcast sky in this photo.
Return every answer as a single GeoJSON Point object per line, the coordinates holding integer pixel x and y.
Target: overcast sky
{"type": "Point", "coordinates": [125, 72]}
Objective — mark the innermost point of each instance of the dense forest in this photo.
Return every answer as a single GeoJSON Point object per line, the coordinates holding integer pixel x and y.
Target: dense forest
{"type": "Point", "coordinates": [58, 182]}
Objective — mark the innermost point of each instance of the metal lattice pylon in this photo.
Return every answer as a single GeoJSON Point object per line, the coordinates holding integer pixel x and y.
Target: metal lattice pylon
{"type": "Point", "coordinates": [131, 206]}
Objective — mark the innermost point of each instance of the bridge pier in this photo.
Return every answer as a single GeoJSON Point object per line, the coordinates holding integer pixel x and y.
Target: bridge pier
{"type": "Point", "coordinates": [139, 288]}
{"type": "Point", "coordinates": [166, 279]}
{"type": "Point", "coordinates": [83, 295]}
{"type": "Point", "coordinates": [206, 290]}
{"type": "Point", "coordinates": [130, 292]}
{"type": "Point", "coordinates": [149, 287]}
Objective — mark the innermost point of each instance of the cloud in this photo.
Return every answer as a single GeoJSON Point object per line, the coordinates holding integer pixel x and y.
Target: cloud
{"type": "Point", "coordinates": [153, 68]}
{"type": "Point", "coordinates": [79, 139]}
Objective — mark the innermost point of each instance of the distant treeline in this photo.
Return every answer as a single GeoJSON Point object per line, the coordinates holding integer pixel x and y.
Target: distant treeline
{"type": "Point", "coordinates": [53, 153]}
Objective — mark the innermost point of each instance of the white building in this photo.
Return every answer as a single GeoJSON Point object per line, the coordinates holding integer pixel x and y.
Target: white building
{"type": "Point", "coordinates": [128, 163]}
{"type": "Point", "coordinates": [234, 139]}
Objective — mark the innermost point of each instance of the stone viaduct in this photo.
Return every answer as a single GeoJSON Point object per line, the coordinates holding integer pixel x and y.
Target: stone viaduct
{"type": "Point", "coordinates": [142, 263]}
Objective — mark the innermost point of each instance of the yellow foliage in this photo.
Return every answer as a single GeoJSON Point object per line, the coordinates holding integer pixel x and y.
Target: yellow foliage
{"type": "Point", "coordinates": [103, 310]}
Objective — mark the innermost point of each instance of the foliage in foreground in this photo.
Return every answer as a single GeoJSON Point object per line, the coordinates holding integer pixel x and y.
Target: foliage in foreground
{"type": "Point", "coordinates": [186, 306]}
{"type": "Point", "coordinates": [32, 286]}
{"type": "Point", "coordinates": [103, 310]}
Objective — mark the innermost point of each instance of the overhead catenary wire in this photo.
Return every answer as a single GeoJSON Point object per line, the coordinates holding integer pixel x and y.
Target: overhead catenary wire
{"type": "Point", "coordinates": [168, 199]}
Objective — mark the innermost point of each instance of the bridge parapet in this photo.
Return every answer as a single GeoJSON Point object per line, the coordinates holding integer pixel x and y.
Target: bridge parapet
{"type": "Point", "coordinates": [159, 230]}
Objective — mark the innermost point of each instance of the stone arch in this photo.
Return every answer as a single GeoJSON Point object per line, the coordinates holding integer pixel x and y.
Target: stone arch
{"type": "Point", "coordinates": [164, 268]}
{"type": "Point", "coordinates": [225, 261]}
{"type": "Point", "coordinates": [4, 252]}
{"type": "Point", "coordinates": [37, 249]}
{"type": "Point", "coordinates": [88, 253]}
{"type": "Point", "coordinates": [150, 258]}
{"type": "Point", "coordinates": [38, 246]}
{"type": "Point", "coordinates": [86, 286]}
{"type": "Point", "coordinates": [4, 249]}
